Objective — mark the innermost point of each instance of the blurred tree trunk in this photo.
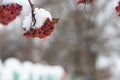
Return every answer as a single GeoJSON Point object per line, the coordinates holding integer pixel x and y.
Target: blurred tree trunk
{"type": "Point", "coordinates": [73, 48]}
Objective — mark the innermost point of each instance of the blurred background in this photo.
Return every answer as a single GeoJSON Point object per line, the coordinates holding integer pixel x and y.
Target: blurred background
{"type": "Point", "coordinates": [85, 43]}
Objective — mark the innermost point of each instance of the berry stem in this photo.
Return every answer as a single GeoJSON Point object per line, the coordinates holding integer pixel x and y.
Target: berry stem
{"type": "Point", "coordinates": [32, 11]}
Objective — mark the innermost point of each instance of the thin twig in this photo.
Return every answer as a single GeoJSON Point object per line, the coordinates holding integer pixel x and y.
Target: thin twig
{"type": "Point", "coordinates": [32, 11]}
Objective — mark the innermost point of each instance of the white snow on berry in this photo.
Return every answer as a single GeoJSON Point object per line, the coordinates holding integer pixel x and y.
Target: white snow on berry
{"type": "Point", "coordinates": [41, 15]}
{"type": "Point", "coordinates": [24, 3]}
{"type": "Point", "coordinates": [27, 22]}
{"type": "Point", "coordinates": [21, 2]}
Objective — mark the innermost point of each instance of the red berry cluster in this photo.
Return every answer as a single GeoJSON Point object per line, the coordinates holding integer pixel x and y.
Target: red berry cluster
{"type": "Point", "coordinates": [43, 31]}
{"type": "Point", "coordinates": [118, 8]}
{"type": "Point", "coordinates": [9, 12]}
{"type": "Point", "coordinates": [85, 1]}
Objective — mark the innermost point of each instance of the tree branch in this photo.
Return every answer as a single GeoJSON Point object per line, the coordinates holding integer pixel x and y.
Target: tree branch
{"type": "Point", "coordinates": [32, 11]}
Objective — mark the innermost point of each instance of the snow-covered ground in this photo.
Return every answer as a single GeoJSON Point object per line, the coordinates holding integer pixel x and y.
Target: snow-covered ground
{"type": "Point", "coordinates": [13, 69]}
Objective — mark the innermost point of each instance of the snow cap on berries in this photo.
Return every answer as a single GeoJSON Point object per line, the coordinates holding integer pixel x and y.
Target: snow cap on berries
{"type": "Point", "coordinates": [10, 1]}
{"type": "Point", "coordinates": [27, 22]}
{"type": "Point", "coordinates": [41, 15]}
{"type": "Point", "coordinates": [21, 2]}
{"type": "Point", "coordinates": [40, 24]}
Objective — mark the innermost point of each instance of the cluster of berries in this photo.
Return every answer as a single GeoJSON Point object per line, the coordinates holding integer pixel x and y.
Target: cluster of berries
{"type": "Point", "coordinates": [40, 24]}
{"type": "Point", "coordinates": [9, 12]}
{"type": "Point", "coordinates": [118, 8]}
{"type": "Point", "coordinates": [43, 31]}
{"type": "Point", "coordinates": [85, 1]}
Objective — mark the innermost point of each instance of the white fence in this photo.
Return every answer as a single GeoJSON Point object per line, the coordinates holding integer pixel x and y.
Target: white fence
{"type": "Point", "coordinates": [13, 69]}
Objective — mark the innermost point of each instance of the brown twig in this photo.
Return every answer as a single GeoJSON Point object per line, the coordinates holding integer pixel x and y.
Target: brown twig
{"type": "Point", "coordinates": [32, 11]}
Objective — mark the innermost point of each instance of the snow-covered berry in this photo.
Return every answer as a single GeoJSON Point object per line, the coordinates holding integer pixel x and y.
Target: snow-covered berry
{"type": "Point", "coordinates": [43, 31]}
{"type": "Point", "coordinates": [9, 12]}
{"type": "Point", "coordinates": [41, 27]}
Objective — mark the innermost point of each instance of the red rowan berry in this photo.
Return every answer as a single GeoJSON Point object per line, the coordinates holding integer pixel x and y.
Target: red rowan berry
{"type": "Point", "coordinates": [9, 12]}
{"type": "Point", "coordinates": [42, 32]}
